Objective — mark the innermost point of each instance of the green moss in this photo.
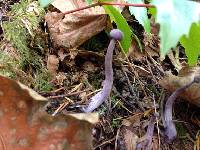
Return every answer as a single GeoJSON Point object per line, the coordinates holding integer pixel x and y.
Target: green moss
{"type": "Point", "coordinates": [21, 30]}
{"type": "Point", "coordinates": [42, 81]}
{"type": "Point", "coordinates": [6, 65]}
{"type": "Point", "coordinates": [115, 123]}
{"type": "Point", "coordinates": [102, 110]}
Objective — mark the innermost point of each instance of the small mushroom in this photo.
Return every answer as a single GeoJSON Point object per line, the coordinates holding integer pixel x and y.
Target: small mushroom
{"type": "Point", "coordinates": [102, 95]}
{"type": "Point", "coordinates": [170, 129]}
{"type": "Point", "coordinates": [145, 142]}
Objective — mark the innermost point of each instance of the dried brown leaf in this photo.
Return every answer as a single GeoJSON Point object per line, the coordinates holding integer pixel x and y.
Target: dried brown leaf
{"type": "Point", "coordinates": [133, 121]}
{"type": "Point", "coordinates": [129, 131]}
{"type": "Point", "coordinates": [74, 29]}
{"type": "Point", "coordinates": [26, 127]}
{"type": "Point", "coordinates": [130, 139]}
{"type": "Point", "coordinates": [32, 93]}
{"type": "Point", "coordinates": [61, 54]}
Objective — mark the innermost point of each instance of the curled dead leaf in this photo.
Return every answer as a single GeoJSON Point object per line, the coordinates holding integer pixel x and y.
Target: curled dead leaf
{"type": "Point", "coordinates": [32, 93]}
{"type": "Point", "coordinates": [130, 139]}
{"type": "Point", "coordinates": [26, 126]}
{"type": "Point", "coordinates": [74, 29]}
{"type": "Point", "coordinates": [129, 131]}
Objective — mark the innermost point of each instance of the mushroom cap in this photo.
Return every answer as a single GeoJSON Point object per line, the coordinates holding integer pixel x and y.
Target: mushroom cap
{"type": "Point", "coordinates": [116, 34]}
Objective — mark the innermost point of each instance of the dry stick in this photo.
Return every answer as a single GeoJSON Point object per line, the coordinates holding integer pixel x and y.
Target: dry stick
{"type": "Point", "coordinates": [66, 95]}
{"type": "Point", "coordinates": [131, 89]}
{"type": "Point", "coordinates": [157, 121]}
{"type": "Point", "coordinates": [103, 95]}
{"type": "Point", "coordinates": [132, 66]}
{"type": "Point", "coordinates": [108, 3]}
{"type": "Point", "coordinates": [170, 129]}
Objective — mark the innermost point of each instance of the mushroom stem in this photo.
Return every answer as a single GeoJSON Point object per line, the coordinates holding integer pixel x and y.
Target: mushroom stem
{"type": "Point", "coordinates": [146, 141]}
{"type": "Point", "coordinates": [108, 61]}
{"type": "Point", "coordinates": [102, 95]}
{"type": "Point", "coordinates": [170, 129]}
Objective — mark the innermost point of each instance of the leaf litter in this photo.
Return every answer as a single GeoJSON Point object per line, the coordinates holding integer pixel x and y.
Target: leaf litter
{"type": "Point", "coordinates": [124, 118]}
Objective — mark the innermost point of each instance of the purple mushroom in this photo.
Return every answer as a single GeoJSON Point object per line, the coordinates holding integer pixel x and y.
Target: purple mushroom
{"type": "Point", "coordinates": [146, 140]}
{"type": "Point", "coordinates": [170, 129]}
{"type": "Point", "coordinates": [103, 95]}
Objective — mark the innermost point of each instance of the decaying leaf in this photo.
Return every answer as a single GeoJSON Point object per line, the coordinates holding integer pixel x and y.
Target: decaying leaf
{"type": "Point", "coordinates": [52, 64]}
{"type": "Point", "coordinates": [25, 126]}
{"type": "Point", "coordinates": [130, 139]}
{"type": "Point", "coordinates": [186, 75]}
{"type": "Point", "coordinates": [32, 93]}
{"type": "Point", "coordinates": [89, 66]}
{"type": "Point", "coordinates": [72, 30]}
{"type": "Point", "coordinates": [61, 54]}
{"type": "Point", "coordinates": [129, 131]}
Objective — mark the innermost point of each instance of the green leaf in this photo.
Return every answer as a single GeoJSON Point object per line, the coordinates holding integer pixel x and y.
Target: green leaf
{"type": "Point", "coordinates": [44, 3]}
{"type": "Point", "coordinates": [121, 23]}
{"type": "Point", "coordinates": [175, 18]}
{"type": "Point", "coordinates": [192, 44]}
{"type": "Point", "coordinates": [140, 14]}
{"type": "Point", "coordinates": [89, 2]}
{"type": "Point", "coordinates": [152, 11]}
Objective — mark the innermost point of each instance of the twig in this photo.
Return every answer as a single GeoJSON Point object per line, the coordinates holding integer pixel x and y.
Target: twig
{"type": "Point", "coordinates": [131, 88]}
{"type": "Point", "coordinates": [157, 122]}
{"type": "Point", "coordinates": [118, 131]}
{"type": "Point", "coordinates": [69, 94]}
{"type": "Point", "coordinates": [62, 106]}
{"type": "Point", "coordinates": [105, 142]}
{"type": "Point", "coordinates": [132, 66]}
{"type": "Point", "coordinates": [108, 3]}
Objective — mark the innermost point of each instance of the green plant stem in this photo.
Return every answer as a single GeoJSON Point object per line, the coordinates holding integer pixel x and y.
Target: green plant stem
{"type": "Point", "coordinates": [108, 3]}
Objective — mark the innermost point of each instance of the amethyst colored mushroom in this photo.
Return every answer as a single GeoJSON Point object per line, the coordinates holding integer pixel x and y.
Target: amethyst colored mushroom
{"type": "Point", "coordinates": [146, 141]}
{"type": "Point", "coordinates": [103, 95]}
{"type": "Point", "coordinates": [170, 129]}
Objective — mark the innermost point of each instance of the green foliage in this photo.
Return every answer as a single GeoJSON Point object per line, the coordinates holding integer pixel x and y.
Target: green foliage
{"type": "Point", "coordinates": [102, 110]}
{"type": "Point", "coordinates": [121, 23]}
{"type": "Point", "coordinates": [20, 31]}
{"type": "Point", "coordinates": [175, 18]}
{"type": "Point", "coordinates": [192, 44]}
{"type": "Point", "coordinates": [6, 65]}
{"type": "Point", "coordinates": [115, 123]}
{"type": "Point", "coordinates": [42, 80]}
{"type": "Point", "coordinates": [89, 2]}
{"type": "Point", "coordinates": [45, 3]}
{"type": "Point", "coordinates": [152, 11]}
{"type": "Point", "coordinates": [140, 14]}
